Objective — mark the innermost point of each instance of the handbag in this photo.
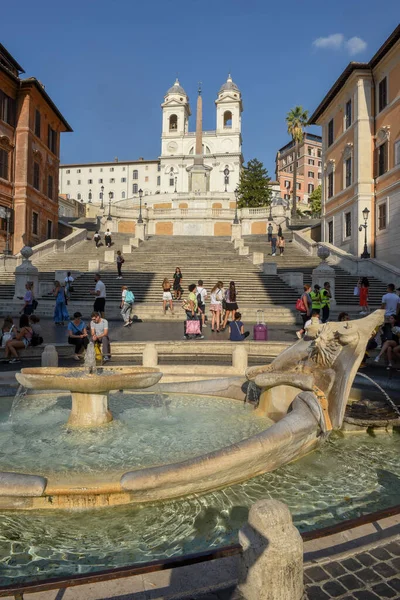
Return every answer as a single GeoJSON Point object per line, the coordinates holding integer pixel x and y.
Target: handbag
{"type": "Point", "coordinates": [356, 291]}
{"type": "Point", "coordinates": [193, 327]}
{"type": "Point", "coordinates": [300, 306]}
{"type": "Point", "coordinates": [35, 304]}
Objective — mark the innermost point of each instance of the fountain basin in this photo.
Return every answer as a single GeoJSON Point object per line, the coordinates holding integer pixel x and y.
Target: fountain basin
{"type": "Point", "coordinates": [89, 390]}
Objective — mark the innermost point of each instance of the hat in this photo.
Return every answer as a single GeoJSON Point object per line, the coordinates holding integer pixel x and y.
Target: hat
{"type": "Point", "coordinates": [77, 315]}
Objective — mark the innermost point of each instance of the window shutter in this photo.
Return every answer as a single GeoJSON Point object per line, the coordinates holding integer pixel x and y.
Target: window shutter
{"type": "Point", "coordinates": [375, 166]}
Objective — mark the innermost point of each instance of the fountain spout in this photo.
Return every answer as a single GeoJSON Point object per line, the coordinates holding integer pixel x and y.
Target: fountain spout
{"type": "Point", "coordinates": [90, 359]}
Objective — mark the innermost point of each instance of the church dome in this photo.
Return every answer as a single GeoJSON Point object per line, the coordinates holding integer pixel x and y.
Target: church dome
{"type": "Point", "coordinates": [176, 89]}
{"type": "Point", "coordinates": [229, 86]}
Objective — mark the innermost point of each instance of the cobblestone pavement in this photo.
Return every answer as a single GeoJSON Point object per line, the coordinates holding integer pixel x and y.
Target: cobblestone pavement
{"type": "Point", "coordinates": [368, 575]}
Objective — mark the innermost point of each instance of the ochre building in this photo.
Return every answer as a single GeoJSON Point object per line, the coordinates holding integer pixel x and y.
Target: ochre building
{"type": "Point", "coordinates": [360, 119]}
{"type": "Point", "coordinates": [30, 128]}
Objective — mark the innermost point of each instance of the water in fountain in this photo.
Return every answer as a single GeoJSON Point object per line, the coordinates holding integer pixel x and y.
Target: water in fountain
{"type": "Point", "coordinates": [90, 359]}
{"type": "Point", "coordinates": [161, 400]}
{"type": "Point", "coordinates": [19, 396]}
{"type": "Point", "coordinates": [386, 395]}
{"type": "Point", "coordinates": [252, 394]}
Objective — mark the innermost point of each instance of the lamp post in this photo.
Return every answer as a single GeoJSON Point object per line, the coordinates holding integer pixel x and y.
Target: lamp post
{"type": "Point", "coordinates": [90, 196]}
{"type": "Point", "coordinates": [102, 196]}
{"type": "Point", "coordinates": [140, 219]}
{"type": "Point", "coordinates": [226, 173]}
{"type": "Point", "coordinates": [110, 195]}
{"type": "Point", "coordinates": [365, 214]}
{"type": "Point", "coordinates": [236, 220]}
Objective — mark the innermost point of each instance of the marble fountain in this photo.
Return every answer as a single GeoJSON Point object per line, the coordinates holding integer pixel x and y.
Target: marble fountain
{"type": "Point", "coordinates": [303, 395]}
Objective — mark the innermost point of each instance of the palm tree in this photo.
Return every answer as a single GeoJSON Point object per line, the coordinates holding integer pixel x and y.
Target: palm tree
{"type": "Point", "coordinates": [296, 121]}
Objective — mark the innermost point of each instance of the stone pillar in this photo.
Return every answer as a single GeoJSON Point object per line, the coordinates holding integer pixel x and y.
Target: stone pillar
{"type": "Point", "coordinates": [258, 258]}
{"type": "Point", "coordinates": [238, 243]}
{"type": "Point", "coordinates": [324, 273]}
{"type": "Point", "coordinates": [139, 231]}
{"type": "Point", "coordinates": [93, 266]}
{"type": "Point", "coordinates": [240, 358]}
{"type": "Point", "coordinates": [236, 232]}
{"type": "Point", "coordinates": [150, 355]}
{"type": "Point", "coordinates": [271, 565]}
{"type": "Point", "coordinates": [24, 273]}
{"type": "Point", "coordinates": [50, 356]}
{"type": "Point", "coordinates": [244, 251]}
{"type": "Point", "coordinates": [126, 249]}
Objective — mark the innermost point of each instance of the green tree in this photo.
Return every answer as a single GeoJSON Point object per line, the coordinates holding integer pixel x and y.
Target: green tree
{"type": "Point", "coordinates": [296, 120]}
{"type": "Point", "coordinates": [254, 187]}
{"type": "Point", "coordinates": [315, 202]}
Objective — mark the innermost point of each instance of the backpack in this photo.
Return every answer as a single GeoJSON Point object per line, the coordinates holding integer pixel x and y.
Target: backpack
{"type": "Point", "coordinates": [36, 340]}
{"type": "Point", "coordinates": [129, 297]}
{"type": "Point", "coordinates": [199, 300]}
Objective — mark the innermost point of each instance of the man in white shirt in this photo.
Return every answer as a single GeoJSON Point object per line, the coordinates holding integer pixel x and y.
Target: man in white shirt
{"type": "Point", "coordinates": [201, 294]}
{"type": "Point", "coordinates": [99, 333]}
{"type": "Point", "coordinates": [100, 293]}
{"type": "Point", "coordinates": [391, 302]}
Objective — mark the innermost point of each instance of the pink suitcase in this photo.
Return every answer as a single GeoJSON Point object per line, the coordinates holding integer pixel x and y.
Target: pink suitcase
{"type": "Point", "coordinates": [260, 331]}
{"type": "Point", "coordinates": [193, 327]}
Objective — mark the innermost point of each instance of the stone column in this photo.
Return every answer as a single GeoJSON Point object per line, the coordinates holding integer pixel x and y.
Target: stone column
{"type": "Point", "coordinates": [236, 232]}
{"type": "Point", "coordinates": [25, 272]}
{"type": "Point", "coordinates": [271, 565]}
{"type": "Point", "coordinates": [139, 231]}
{"type": "Point", "coordinates": [324, 273]}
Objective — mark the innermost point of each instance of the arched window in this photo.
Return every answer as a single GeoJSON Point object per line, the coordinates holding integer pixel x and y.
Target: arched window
{"type": "Point", "coordinates": [111, 195]}
{"type": "Point", "coordinates": [134, 174]}
{"type": "Point", "coordinates": [171, 177]}
{"type": "Point", "coordinates": [79, 197]}
{"type": "Point", "coordinates": [123, 195]}
{"type": "Point", "coordinates": [206, 149]}
{"type": "Point", "coordinates": [173, 123]}
{"type": "Point", "coordinates": [227, 118]}
{"type": "Point", "coordinates": [135, 188]}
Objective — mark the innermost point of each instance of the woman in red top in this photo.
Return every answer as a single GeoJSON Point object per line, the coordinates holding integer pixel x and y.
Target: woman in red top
{"type": "Point", "coordinates": [363, 285]}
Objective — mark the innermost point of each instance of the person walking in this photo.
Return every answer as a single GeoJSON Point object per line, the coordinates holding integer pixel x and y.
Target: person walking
{"type": "Point", "coordinates": [78, 335]}
{"type": "Point", "coordinates": [100, 295]}
{"type": "Point", "coordinates": [127, 301]}
{"type": "Point", "coordinates": [120, 262]}
{"type": "Point", "coordinates": [167, 296]}
{"type": "Point", "coordinates": [216, 296]}
{"type": "Point", "coordinates": [236, 329]}
{"type": "Point", "coordinates": [231, 305]}
{"type": "Point", "coordinates": [273, 244]}
{"type": "Point", "coordinates": [316, 298]}
{"type": "Point", "coordinates": [363, 286]}
{"type": "Point", "coordinates": [305, 308]}
{"type": "Point", "coordinates": [107, 238]}
{"type": "Point", "coordinates": [201, 301]}
{"type": "Point", "coordinates": [68, 283]}
{"type": "Point", "coordinates": [281, 245]}
{"type": "Point", "coordinates": [270, 230]}
{"type": "Point", "coordinates": [60, 309]}
{"type": "Point", "coordinates": [97, 239]}
{"type": "Point", "coordinates": [391, 305]}
{"type": "Point", "coordinates": [177, 284]}
{"type": "Point", "coordinates": [326, 296]}
{"type": "Point", "coordinates": [28, 298]}
{"type": "Point", "coordinates": [99, 333]}
{"type": "Point", "coordinates": [280, 232]}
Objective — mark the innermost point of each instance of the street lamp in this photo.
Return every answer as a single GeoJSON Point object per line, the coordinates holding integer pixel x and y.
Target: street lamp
{"type": "Point", "coordinates": [90, 196]}
{"type": "Point", "coordinates": [102, 196]}
{"type": "Point", "coordinates": [226, 173]}
{"type": "Point", "coordinates": [236, 220]}
{"type": "Point", "coordinates": [140, 219]}
{"type": "Point", "coordinates": [110, 195]}
{"type": "Point", "coordinates": [365, 214]}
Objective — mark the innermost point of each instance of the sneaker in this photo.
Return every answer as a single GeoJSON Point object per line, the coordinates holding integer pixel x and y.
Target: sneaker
{"type": "Point", "coordinates": [204, 325]}
{"type": "Point", "coordinates": [185, 337]}
{"type": "Point", "coordinates": [298, 335]}
{"type": "Point", "coordinates": [200, 337]}
{"type": "Point", "coordinates": [76, 357]}
{"type": "Point", "coordinates": [273, 254]}
{"type": "Point", "coordinates": [377, 359]}
{"type": "Point", "coordinates": [127, 324]}
{"type": "Point", "coordinates": [14, 360]}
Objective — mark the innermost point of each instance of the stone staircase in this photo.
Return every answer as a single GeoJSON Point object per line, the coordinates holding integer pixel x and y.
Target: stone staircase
{"type": "Point", "coordinates": [296, 260]}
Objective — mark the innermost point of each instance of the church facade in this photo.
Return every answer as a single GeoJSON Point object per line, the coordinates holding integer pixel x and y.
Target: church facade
{"type": "Point", "coordinates": [168, 177]}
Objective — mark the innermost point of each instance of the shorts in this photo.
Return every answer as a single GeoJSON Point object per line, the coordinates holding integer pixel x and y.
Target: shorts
{"type": "Point", "coordinates": [215, 307]}
{"type": "Point", "coordinates": [202, 308]}
{"type": "Point", "coordinates": [99, 305]}
{"type": "Point", "coordinates": [167, 296]}
{"type": "Point", "coordinates": [231, 306]}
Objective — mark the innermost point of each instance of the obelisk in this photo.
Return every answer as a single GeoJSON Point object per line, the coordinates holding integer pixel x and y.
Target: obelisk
{"type": "Point", "coordinates": [199, 173]}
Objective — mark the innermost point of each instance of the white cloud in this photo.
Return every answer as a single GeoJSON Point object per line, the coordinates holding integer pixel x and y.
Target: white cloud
{"type": "Point", "coordinates": [333, 42]}
{"type": "Point", "coordinates": [355, 45]}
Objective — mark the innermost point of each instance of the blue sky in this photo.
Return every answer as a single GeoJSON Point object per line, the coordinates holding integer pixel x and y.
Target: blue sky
{"type": "Point", "coordinates": [107, 64]}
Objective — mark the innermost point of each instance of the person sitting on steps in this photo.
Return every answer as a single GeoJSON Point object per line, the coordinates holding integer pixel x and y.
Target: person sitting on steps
{"type": "Point", "coordinates": [78, 335]}
{"type": "Point", "coordinates": [99, 333]}
{"type": "Point", "coordinates": [21, 340]}
{"type": "Point", "coordinates": [236, 329]}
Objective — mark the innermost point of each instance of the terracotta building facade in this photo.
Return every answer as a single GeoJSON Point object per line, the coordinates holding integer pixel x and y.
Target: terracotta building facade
{"type": "Point", "coordinates": [30, 128]}
{"type": "Point", "coordinates": [309, 169]}
{"type": "Point", "coordinates": [360, 119]}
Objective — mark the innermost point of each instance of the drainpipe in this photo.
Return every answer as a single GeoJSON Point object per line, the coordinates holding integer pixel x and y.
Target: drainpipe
{"type": "Point", "coordinates": [373, 253]}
